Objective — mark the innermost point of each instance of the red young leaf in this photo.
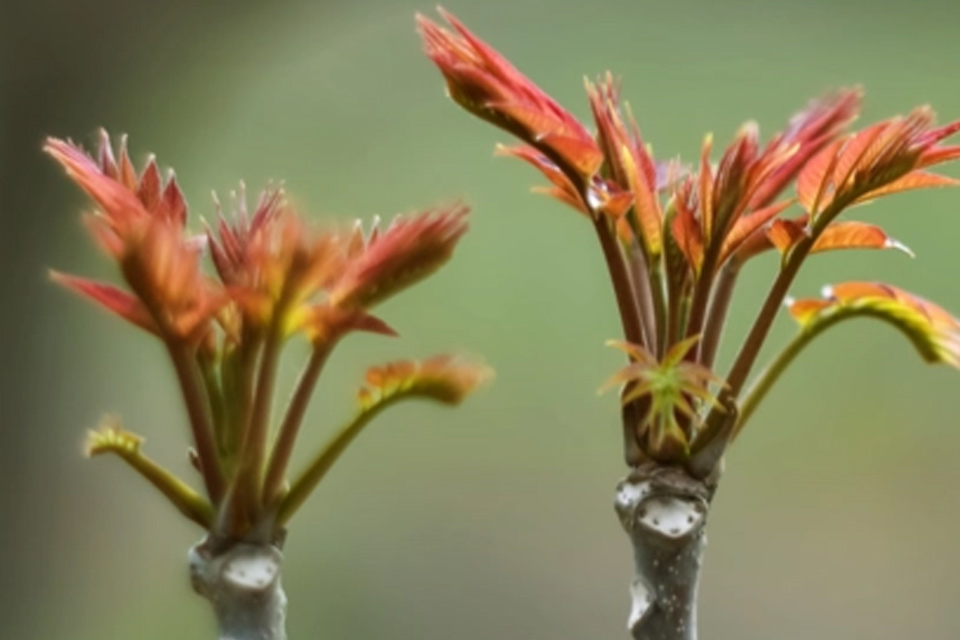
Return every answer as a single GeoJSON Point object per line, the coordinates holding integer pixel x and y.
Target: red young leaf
{"type": "Point", "coordinates": [406, 252]}
{"type": "Point", "coordinates": [629, 162]}
{"type": "Point", "coordinates": [109, 297]}
{"type": "Point", "coordinates": [486, 84]}
{"type": "Point", "coordinates": [885, 158]}
{"type": "Point", "coordinates": [562, 190]}
{"type": "Point", "coordinates": [810, 130]}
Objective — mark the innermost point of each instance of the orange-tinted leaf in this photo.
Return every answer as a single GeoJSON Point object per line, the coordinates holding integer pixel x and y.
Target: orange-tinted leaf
{"type": "Point", "coordinates": [442, 378]}
{"type": "Point", "coordinates": [811, 129]}
{"type": "Point", "coordinates": [705, 195]}
{"type": "Point", "coordinates": [686, 228]}
{"type": "Point", "coordinates": [804, 310]}
{"type": "Point", "coordinates": [746, 225]}
{"type": "Point", "coordinates": [123, 196]}
{"type": "Point", "coordinates": [934, 332]}
{"type": "Point", "coordinates": [859, 150]}
{"type": "Point", "coordinates": [563, 196]}
{"type": "Point", "coordinates": [856, 235]}
{"type": "Point", "coordinates": [784, 234]}
{"type": "Point", "coordinates": [882, 159]}
{"type": "Point", "coordinates": [646, 202]}
{"type": "Point", "coordinates": [912, 181]}
{"type": "Point", "coordinates": [562, 189]}
{"type": "Point", "coordinates": [813, 180]}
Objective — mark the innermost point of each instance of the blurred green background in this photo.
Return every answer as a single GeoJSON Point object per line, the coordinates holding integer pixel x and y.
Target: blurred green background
{"type": "Point", "coordinates": [838, 514]}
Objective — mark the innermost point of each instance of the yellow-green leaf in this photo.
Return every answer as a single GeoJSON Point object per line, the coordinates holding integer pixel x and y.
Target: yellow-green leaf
{"type": "Point", "coordinates": [934, 332]}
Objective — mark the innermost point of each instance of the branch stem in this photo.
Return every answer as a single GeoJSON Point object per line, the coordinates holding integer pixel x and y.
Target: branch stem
{"type": "Point", "coordinates": [303, 486]}
{"type": "Point", "coordinates": [620, 278]}
{"type": "Point", "coordinates": [643, 288]}
{"type": "Point", "coordinates": [254, 445]}
{"type": "Point", "coordinates": [242, 583]}
{"type": "Point", "coordinates": [765, 381]}
{"type": "Point", "coordinates": [717, 316]}
{"type": "Point", "coordinates": [198, 410]}
{"type": "Point", "coordinates": [187, 501]}
{"type": "Point", "coordinates": [293, 418]}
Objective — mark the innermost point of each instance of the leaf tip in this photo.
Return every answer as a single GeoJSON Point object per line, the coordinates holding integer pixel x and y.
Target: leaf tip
{"type": "Point", "coordinates": [892, 243]}
{"type": "Point", "coordinates": [111, 437]}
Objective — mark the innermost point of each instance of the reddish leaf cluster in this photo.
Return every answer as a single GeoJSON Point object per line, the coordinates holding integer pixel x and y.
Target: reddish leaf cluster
{"type": "Point", "coordinates": [273, 276]}
{"type": "Point", "coordinates": [674, 240]}
{"type": "Point", "coordinates": [141, 224]}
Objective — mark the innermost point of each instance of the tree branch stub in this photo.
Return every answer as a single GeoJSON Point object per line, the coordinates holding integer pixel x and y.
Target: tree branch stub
{"type": "Point", "coordinates": [664, 512]}
{"type": "Point", "coordinates": [242, 583]}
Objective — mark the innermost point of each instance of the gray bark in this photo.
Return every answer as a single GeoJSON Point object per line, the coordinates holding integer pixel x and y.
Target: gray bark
{"type": "Point", "coordinates": [664, 512]}
{"type": "Point", "coordinates": [242, 582]}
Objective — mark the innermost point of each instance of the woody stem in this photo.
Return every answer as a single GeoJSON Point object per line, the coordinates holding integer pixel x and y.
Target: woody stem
{"type": "Point", "coordinates": [255, 437]}
{"type": "Point", "coordinates": [778, 365]}
{"type": "Point", "coordinates": [643, 289]}
{"type": "Point", "coordinates": [664, 511]}
{"type": "Point", "coordinates": [242, 583]}
{"type": "Point", "coordinates": [620, 277]}
{"type": "Point", "coordinates": [198, 410]}
{"type": "Point", "coordinates": [717, 316]}
{"type": "Point", "coordinates": [290, 427]}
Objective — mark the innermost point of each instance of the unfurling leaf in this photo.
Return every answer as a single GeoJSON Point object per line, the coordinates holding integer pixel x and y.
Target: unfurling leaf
{"type": "Point", "coordinates": [856, 235]}
{"type": "Point", "coordinates": [670, 387]}
{"type": "Point", "coordinates": [784, 234]}
{"type": "Point", "coordinates": [141, 225]}
{"type": "Point", "coordinates": [933, 331]}
{"type": "Point", "coordinates": [388, 261]}
{"type": "Point", "coordinates": [562, 189]}
{"type": "Point", "coordinates": [484, 83]}
{"type": "Point", "coordinates": [910, 182]}
{"type": "Point", "coordinates": [888, 157]}
{"type": "Point", "coordinates": [111, 437]}
{"type": "Point", "coordinates": [629, 162]}
{"type": "Point", "coordinates": [747, 225]}
{"type": "Point", "coordinates": [442, 378]}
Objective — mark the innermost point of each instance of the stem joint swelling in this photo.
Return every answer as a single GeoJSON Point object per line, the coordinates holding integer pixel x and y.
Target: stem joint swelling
{"type": "Point", "coordinates": [664, 512]}
{"type": "Point", "coordinates": [242, 582]}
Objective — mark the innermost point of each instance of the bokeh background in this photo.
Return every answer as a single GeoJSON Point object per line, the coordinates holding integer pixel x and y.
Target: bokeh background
{"type": "Point", "coordinates": [838, 515]}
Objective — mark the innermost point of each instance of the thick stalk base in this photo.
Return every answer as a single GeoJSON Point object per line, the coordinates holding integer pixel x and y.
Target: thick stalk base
{"type": "Point", "coordinates": [242, 582]}
{"type": "Point", "coordinates": [664, 512]}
